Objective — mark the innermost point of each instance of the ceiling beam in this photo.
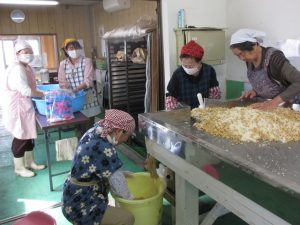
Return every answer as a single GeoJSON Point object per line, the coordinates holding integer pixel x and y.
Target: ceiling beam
{"type": "Point", "coordinates": [79, 2]}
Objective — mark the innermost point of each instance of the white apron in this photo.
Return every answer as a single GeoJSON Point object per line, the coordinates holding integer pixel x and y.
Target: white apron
{"type": "Point", "coordinates": [18, 110]}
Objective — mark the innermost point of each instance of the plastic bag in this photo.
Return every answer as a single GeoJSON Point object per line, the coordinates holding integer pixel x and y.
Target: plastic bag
{"type": "Point", "coordinates": [59, 105]}
{"type": "Point", "coordinates": [140, 28]}
{"type": "Point", "coordinates": [139, 56]}
{"type": "Point", "coordinates": [120, 56]}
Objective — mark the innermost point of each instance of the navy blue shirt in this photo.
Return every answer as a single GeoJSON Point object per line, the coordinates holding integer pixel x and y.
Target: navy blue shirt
{"type": "Point", "coordinates": [185, 87]}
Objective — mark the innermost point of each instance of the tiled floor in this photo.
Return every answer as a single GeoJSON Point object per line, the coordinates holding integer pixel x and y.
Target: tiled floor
{"type": "Point", "coordinates": [20, 195]}
{"type": "Point", "coordinates": [5, 142]}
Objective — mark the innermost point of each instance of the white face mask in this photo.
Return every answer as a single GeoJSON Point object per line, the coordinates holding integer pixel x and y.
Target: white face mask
{"type": "Point", "coordinates": [26, 58]}
{"type": "Point", "coordinates": [112, 140]}
{"type": "Point", "coordinates": [74, 54]}
{"type": "Point", "coordinates": [191, 71]}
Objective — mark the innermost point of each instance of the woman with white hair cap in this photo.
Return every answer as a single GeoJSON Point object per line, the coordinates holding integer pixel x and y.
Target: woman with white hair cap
{"type": "Point", "coordinates": [96, 170]}
{"type": "Point", "coordinates": [18, 111]}
{"type": "Point", "coordinates": [269, 71]}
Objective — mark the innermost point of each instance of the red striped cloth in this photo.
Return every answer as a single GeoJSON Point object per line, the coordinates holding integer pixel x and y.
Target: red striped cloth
{"type": "Point", "coordinates": [171, 103]}
{"type": "Point", "coordinates": [116, 119]}
{"type": "Point", "coordinates": [215, 92]}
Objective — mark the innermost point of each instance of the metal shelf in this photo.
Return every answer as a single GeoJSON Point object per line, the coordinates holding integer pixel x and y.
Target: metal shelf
{"type": "Point", "coordinates": [127, 80]}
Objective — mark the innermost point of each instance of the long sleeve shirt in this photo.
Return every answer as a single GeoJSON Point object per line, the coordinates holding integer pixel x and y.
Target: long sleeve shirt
{"type": "Point", "coordinates": [280, 70]}
{"type": "Point", "coordinates": [185, 87]}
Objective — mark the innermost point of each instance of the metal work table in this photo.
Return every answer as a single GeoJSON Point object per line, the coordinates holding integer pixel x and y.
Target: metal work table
{"type": "Point", "coordinates": [172, 139]}
{"type": "Point", "coordinates": [79, 118]}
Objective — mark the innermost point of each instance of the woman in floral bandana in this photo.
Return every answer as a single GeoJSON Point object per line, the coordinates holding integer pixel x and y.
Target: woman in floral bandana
{"type": "Point", "coordinates": [95, 170]}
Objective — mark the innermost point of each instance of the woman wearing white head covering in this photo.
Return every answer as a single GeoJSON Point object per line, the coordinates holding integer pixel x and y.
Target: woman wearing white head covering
{"type": "Point", "coordinates": [18, 111]}
{"type": "Point", "coordinates": [268, 70]}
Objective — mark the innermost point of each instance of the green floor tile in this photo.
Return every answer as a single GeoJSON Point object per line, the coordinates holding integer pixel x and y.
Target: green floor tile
{"type": "Point", "coordinates": [20, 195]}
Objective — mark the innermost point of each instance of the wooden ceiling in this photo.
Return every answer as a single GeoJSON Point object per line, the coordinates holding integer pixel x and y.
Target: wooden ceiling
{"type": "Point", "coordinates": [84, 2]}
{"type": "Point", "coordinates": [79, 2]}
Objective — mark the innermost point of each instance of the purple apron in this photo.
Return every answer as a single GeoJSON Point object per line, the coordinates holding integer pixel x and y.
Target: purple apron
{"type": "Point", "coordinates": [260, 80]}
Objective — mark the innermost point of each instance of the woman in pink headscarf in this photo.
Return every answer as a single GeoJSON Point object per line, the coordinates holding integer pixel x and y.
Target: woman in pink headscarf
{"type": "Point", "coordinates": [95, 170]}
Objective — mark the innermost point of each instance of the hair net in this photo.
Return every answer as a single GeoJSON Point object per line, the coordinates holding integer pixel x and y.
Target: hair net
{"type": "Point", "coordinates": [116, 119]}
{"type": "Point", "coordinates": [193, 49]}
{"type": "Point", "coordinates": [21, 44]}
{"type": "Point", "coordinates": [244, 35]}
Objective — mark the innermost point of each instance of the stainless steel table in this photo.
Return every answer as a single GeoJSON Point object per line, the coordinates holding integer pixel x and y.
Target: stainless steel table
{"type": "Point", "coordinates": [172, 139]}
{"type": "Point", "coordinates": [79, 118]}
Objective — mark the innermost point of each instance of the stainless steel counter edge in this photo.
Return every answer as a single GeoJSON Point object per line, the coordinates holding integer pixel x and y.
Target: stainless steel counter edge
{"type": "Point", "coordinates": [277, 164]}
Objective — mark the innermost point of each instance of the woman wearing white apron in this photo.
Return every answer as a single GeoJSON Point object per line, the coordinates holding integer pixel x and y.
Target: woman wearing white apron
{"type": "Point", "coordinates": [18, 111]}
{"type": "Point", "coordinates": [76, 72]}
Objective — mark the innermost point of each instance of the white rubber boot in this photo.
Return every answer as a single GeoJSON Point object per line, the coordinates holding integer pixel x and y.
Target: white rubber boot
{"type": "Point", "coordinates": [29, 162]}
{"type": "Point", "coordinates": [20, 170]}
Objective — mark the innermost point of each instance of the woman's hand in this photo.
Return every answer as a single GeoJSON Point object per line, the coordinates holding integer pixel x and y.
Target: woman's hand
{"type": "Point", "coordinates": [150, 166]}
{"type": "Point", "coordinates": [128, 174]}
{"type": "Point", "coordinates": [75, 90]}
{"type": "Point", "coordinates": [64, 85]}
{"type": "Point", "coordinates": [270, 104]}
{"type": "Point", "coordinates": [79, 88]}
{"type": "Point", "coordinates": [171, 103]}
{"type": "Point", "coordinates": [215, 92]}
{"type": "Point", "coordinates": [37, 93]}
{"type": "Point", "coordinates": [249, 94]}
{"type": "Point", "coordinates": [264, 105]}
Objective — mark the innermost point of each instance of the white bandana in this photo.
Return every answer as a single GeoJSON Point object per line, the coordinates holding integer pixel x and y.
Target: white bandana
{"type": "Point", "coordinates": [244, 35]}
{"type": "Point", "coordinates": [20, 44]}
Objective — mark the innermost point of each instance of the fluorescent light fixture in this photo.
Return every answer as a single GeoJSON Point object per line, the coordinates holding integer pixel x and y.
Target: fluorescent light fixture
{"type": "Point", "coordinates": [28, 2]}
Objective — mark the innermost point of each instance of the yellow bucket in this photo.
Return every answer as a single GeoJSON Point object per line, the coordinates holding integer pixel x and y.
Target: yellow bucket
{"type": "Point", "coordinates": [147, 210]}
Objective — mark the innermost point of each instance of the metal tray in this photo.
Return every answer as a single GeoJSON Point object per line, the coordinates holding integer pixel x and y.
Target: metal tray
{"type": "Point", "coordinates": [231, 103]}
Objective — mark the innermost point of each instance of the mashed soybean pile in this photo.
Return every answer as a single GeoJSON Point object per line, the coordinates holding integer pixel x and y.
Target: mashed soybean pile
{"type": "Point", "coordinates": [250, 125]}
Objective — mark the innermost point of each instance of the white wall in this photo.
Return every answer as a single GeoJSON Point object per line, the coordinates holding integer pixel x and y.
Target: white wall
{"type": "Point", "coordinates": [279, 19]}
{"type": "Point", "coordinates": [199, 13]}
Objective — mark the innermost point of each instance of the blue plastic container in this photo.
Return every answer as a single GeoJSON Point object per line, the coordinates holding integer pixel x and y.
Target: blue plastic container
{"type": "Point", "coordinates": [47, 87]}
{"type": "Point", "coordinates": [77, 103]}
